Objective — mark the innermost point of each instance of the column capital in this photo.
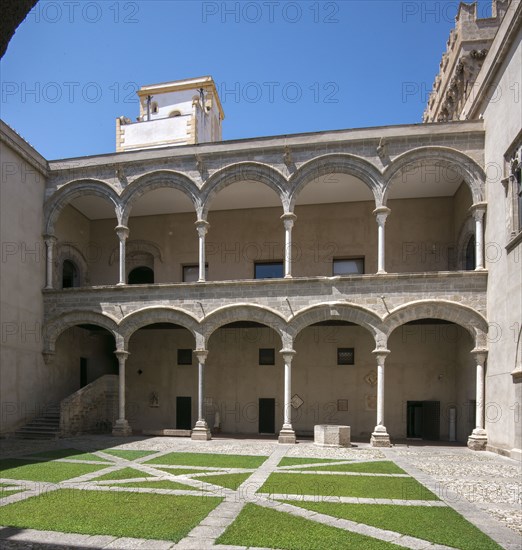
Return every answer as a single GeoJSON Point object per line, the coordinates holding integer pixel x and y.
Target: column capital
{"type": "Point", "coordinates": [381, 213]}
{"type": "Point", "coordinates": [478, 210]}
{"type": "Point", "coordinates": [480, 355]}
{"type": "Point", "coordinates": [49, 239]}
{"type": "Point", "coordinates": [288, 354]}
{"type": "Point", "coordinates": [121, 354]}
{"type": "Point", "coordinates": [201, 354]}
{"type": "Point", "coordinates": [122, 231]}
{"type": "Point", "coordinates": [381, 354]}
{"type": "Point", "coordinates": [288, 219]}
{"type": "Point", "coordinates": [202, 227]}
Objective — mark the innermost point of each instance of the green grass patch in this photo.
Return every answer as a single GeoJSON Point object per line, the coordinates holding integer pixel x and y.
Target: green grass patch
{"type": "Point", "coordinates": [159, 484]}
{"type": "Point", "coordinates": [73, 454]}
{"type": "Point", "coordinates": [346, 486]}
{"type": "Point", "coordinates": [384, 467]}
{"type": "Point", "coordinates": [120, 514]}
{"type": "Point", "coordinates": [124, 473]}
{"type": "Point", "coordinates": [262, 527]}
{"type": "Point", "coordinates": [439, 525]}
{"type": "Point", "coordinates": [290, 461]}
{"type": "Point", "coordinates": [53, 472]}
{"type": "Point", "coordinates": [230, 481]}
{"type": "Point", "coordinates": [128, 454]}
{"type": "Point", "coordinates": [209, 460]}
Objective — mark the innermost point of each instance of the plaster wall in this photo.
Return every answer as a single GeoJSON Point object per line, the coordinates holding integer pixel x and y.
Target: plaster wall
{"type": "Point", "coordinates": [419, 237]}
{"type": "Point", "coordinates": [426, 363]}
{"type": "Point", "coordinates": [502, 116]}
{"type": "Point", "coordinates": [23, 375]}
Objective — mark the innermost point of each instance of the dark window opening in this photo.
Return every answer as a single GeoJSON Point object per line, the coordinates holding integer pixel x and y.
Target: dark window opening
{"type": "Point", "coordinates": [268, 270]}
{"type": "Point", "coordinates": [348, 267]}
{"type": "Point", "coordinates": [266, 356]}
{"type": "Point", "coordinates": [470, 254]}
{"type": "Point", "coordinates": [184, 357]}
{"type": "Point", "coordinates": [69, 275]}
{"type": "Point", "coordinates": [141, 276]}
{"type": "Point", "coordinates": [345, 356]}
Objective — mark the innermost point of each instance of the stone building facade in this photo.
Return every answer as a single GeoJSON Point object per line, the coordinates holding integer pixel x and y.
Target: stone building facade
{"type": "Point", "coordinates": [267, 285]}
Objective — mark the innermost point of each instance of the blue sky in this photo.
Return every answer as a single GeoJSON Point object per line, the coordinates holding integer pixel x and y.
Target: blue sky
{"type": "Point", "coordinates": [280, 67]}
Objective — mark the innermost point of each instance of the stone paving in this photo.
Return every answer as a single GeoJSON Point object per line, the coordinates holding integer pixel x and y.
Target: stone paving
{"type": "Point", "coordinates": [455, 474]}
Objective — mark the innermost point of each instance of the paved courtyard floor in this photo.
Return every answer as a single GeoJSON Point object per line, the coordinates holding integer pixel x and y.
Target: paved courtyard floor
{"type": "Point", "coordinates": [308, 488]}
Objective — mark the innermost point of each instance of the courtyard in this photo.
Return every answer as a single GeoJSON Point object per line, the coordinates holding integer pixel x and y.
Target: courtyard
{"type": "Point", "coordinates": [107, 492]}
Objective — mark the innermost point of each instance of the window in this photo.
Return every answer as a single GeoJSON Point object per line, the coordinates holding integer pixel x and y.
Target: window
{"type": "Point", "coordinates": [70, 277]}
{"type": "Point", "coordinates": [348, 267]}
{"type": "Point", "coordinates": [268, 270]}
{"type": "Point", "coordinates": [266, 356]}
{"type": "Point", "coordinates": [141, 275]}
{"type": "Point", "coordinates": [345, 356]}
{"type": "Point", "coordinates": [174, 114]}
{"type": "Point", "coordinates": [191, 273]}
{"type": "Point", "coordinates": [184, 357]}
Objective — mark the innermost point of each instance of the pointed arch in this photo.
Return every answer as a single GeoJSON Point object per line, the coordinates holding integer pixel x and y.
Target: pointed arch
{"type": "Point", "coordinates": [243, 171]}
{"type": "Point", "coordinates": [470, 171]}
{"type": "Point", "coordinates": [462, 315]}
{"type": "Point", "coordinates": [72, 190]}
{"type": "Point", "coordinates": [244, 312]}
{"type": "Point", "coordinates": [338, 163]}
{"type": "Point", "coordinates": [59, 324]}
{"type": "Point", "coordinates": [339, 311]}
{"type": "Point", "coordinates": [158, 179]}
{"type": "Point", "coordinates": [151, 315]}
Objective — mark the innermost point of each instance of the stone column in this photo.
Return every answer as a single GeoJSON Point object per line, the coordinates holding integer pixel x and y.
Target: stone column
{"type": "Point", "coordinates": [123, 232]}
{"type": "Point", "coordinates": [288, 221]}
{"type": "Point", "coordinates": [478, 210]}
{"type": "Point", "coordinates": [121, 426]}
{"type": "Point", "coordinates": [287, 434]}
{"type": "Point", "coordinates": [381, 214]}
{"type": "Point", "coordinates": [478, 439]}
{"type": "Point", "coordinates": [380, 437]}
{"type": "Point", "coordinates": [201, 431]}
{"type": "Point", "coordinates": [50, 241]}
{"type": "Point", "coordinates": [202, 228]}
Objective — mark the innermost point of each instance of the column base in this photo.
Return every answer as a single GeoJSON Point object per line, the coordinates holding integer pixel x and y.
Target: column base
{"type": "Point", "coordinates": [121, 428]}
{"type": "Point", "coordinates": [380, 437]}
{"type": "Point", "coordinates": [200, 431]}
{"type": "Point", "coordinates": [382, 272]}
{"type": "Point", "coordinates": [287, 435]}
{"type": "Point", "coordinates": [121, 284]}
{"type": "Point", "coordinates": [477, 441]}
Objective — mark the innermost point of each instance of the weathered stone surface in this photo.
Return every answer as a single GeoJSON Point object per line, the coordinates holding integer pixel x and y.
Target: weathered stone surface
{"type": "Point", "coordinates": [328, 435]}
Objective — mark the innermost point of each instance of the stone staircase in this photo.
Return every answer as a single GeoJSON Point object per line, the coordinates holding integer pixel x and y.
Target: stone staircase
{"type": "Point", "coordinates": [45, 426]}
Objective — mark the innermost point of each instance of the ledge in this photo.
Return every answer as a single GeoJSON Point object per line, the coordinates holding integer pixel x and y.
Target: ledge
{"type": "Point", "coordinates": [514, 242]}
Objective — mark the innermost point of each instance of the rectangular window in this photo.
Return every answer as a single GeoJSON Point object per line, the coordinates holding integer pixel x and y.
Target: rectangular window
{"type": "Point", "coordinates": [268, 270]}
{"type": "Point", "coordinates": [345, 356]}
{"type": "Point", "coordinates": [184, 357]}
{"type": "Point", "coordinates": [348, 267]}
{"type": "Point", "coordinates": [191, 273]}
{"type": "Point", "coordinates": [266, 356]}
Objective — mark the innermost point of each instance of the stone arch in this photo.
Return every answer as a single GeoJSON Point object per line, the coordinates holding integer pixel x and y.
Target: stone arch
{"type": "Point", "coordinates": [242, 171]}
{"type": "Point", "coordinates": [472, 174]}
{"type": "Point", "coordinates": [72, 190]}
{"type": "Point", "coordinates": [337, 164]}
{"type": "Point", "coordinates": [244, 312]}
{"type": "Point", "coordinates": [151, 315]}
{"type": "Point", "coordinates": [466, 317]}
{"type": "Point", "coordinates": [136, 246]}
{"type": "Point", "coordinates": [339, 311]}
{"type": "Point", "coordinates": [157, 180]}
{"type": "Point", "coordinates": [467, 231]}
{"type": "Point", "coordinates": [59, 324]}
{"type": "Point", "coordinates": [68, 251]}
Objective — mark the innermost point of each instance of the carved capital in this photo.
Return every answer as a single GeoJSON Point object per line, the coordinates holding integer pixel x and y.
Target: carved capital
{"type": "Point", "coordinates": [288, 220]}
{"type": "Point", "coordinates": [478, 210]}
{"type": "Point", "coordinates": [480, 355]}
{"type": "Point", "coordinates": [122, 231]}
{"type": "Point", "coordinates": [50, 240]}
{"type": "Point", "coordinates": [122, 355]}
{"type": "Point", "coordinates": [288, 354]}
{"type": "Point", "coordinates": [202, 227]}
{"type": "Point", "coordinates": [201, 354]}
{"type": "Point", "coordinates": [381, 214]}
{"type": "Point", "coordinates": [380, 355]}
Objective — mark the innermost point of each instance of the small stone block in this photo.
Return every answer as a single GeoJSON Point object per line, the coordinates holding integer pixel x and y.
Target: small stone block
{"type": "Point", "coordinates": [327, 435]}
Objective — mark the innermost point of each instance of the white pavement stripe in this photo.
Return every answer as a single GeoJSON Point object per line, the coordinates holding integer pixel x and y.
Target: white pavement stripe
{"type": "Point", "coordinates": [355, 500]}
